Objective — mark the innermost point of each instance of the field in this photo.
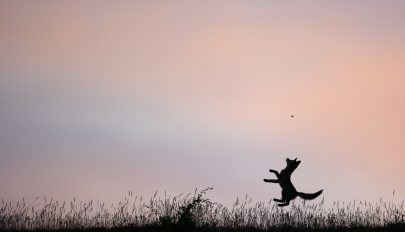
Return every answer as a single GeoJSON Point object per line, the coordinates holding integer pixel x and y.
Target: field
{"type": "Point", "coordinates": [196, 212]}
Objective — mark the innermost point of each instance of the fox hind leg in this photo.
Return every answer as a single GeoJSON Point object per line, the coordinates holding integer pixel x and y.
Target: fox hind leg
{"type": "Point", "coordinates": [284, 204]}
{"type": "Point", "coordinates": [278, 200]}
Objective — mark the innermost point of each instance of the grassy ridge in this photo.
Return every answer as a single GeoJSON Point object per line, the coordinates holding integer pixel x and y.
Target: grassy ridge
{"type": "Point", "coordinates": [195, 212]}
{"type": "Point", "coordinates": [161, 228]}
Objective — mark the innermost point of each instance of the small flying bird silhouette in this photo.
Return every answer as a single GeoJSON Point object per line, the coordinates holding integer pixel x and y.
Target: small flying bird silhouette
{"type": "Point", "coordinates": [292, 115]}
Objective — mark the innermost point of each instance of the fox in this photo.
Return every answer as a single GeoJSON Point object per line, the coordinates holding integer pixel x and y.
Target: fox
{"type": "Point", "coordinates": [288, 192]}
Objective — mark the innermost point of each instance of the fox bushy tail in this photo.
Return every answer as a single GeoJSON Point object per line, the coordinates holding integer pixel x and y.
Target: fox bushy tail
{"type": "Point", "coordinates": [309, 196]}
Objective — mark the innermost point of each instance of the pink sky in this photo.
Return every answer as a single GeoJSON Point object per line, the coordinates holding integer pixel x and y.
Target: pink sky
{"type": "Point", "coordinates": [98, 98]}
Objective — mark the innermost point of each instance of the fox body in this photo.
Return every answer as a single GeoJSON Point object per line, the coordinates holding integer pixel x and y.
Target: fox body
{"type": "Point", "coordinates": [288, 191]}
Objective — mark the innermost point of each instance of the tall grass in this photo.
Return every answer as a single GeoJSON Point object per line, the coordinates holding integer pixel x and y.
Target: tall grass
{"type": "Point", "coordinates": [195, 210]}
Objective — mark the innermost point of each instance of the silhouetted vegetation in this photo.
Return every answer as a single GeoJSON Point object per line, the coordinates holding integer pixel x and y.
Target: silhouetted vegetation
{"type": "Point", "coordinates": [196, 212]}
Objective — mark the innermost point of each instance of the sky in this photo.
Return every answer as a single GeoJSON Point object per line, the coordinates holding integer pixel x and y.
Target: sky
{"type": "Point", "coordinates": [101, 97]}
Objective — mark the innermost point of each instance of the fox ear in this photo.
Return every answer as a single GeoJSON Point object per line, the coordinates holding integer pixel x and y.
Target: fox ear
{"type": "Point", "coordinates": [295, 159]}
{"type": "Point", "coordinates": [288, 160]}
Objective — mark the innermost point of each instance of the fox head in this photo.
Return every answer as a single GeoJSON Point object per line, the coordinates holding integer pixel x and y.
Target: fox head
{"type": "Point", "coordinates": [292, 164]}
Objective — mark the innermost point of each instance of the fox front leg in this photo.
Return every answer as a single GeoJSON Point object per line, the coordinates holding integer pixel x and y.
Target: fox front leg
{"type": "Point", "coordinates": [275, 172]}
{"type": "Point", "coordinates": [271, 180]}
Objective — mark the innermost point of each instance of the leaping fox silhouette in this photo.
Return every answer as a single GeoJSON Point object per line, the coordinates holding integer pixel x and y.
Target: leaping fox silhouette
{"type": "Point", "coordinates": [288, 191]}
